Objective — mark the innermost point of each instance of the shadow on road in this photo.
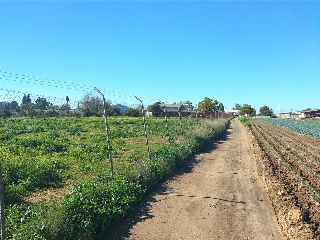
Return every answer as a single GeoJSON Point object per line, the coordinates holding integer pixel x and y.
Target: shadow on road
{"type": "Point", "coordinates": [142, 212]}
{"type": "Point", "coordinates": [208, 197]}
{"type": "Point", "coordinates": [224, 137]}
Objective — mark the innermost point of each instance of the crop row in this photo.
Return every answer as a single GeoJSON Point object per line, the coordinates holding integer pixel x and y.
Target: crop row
{"type": "Point", "coordinates": [293, 165]}
{"type": "Point", "coordinates": [306, 169]}
{"type": "Point", "coordinates": [293, 143]}
{"type": "Point", "coordinates": [306, 127]}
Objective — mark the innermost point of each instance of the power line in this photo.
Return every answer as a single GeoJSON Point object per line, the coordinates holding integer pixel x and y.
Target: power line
{"type": "Point", "coordinates": [27, 79]}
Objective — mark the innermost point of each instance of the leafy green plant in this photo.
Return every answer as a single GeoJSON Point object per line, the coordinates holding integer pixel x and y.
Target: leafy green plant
{"type": "Point", "coordinates": [245, 120]}
{"type": "Point", "coordinates": [23, 177]}
{"type": "Point", "coordinates": [25, 221]}
{"type": "Point", "coordinates": [92, 207]}
{"type": "Point", "coordinates": [43, 154]}
{"type": "Point", "coordinates": [95, 206]}
{"type": "Point", "coordinates": [306, 127]}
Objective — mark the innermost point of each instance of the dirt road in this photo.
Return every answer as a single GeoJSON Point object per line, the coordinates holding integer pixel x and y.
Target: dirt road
{"type": "Point", "coordinates": [220, 197]}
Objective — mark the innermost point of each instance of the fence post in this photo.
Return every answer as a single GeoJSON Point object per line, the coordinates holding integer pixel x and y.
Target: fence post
{"type": "Point", "coordinates": [179, 111]}
{"type": "Point", "coordinates": [166, 120]}
{"type": "Point", "coordinates": [196, 111]}
{"type": "Point", "coordinates": [3, 229]}
{"type": "Point", "coordinates": [107, 129]}
{"type": "Point", "coordinates": [144, 126]}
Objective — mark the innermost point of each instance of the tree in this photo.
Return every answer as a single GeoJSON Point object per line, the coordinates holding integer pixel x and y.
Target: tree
{"type": "Point", "coordinates": [247, 110]}
{"type": "Point", "coordinates": [27, 107]}
{"type": "Point", "coordinates": [51, 113]}
{"type": "Point", "coordinates": [42, 103]}
{"type": "Point", "coordinates": [13, 105]}
{"type": "Point", "coordinates": [208, 105]}
{"type": "Point", "coordinates": [220, 107]}
{"type": "Point", "coordinates": [266, 111]}
{"type": "Point", "coordinates": [112, 110]}
{"type": "Point", "coordinates": [155, 109]}
{"type": "Point", "coordinates": [189, 105]}
{"type": "Point", "coordinates": [215, 105]}
{"type": "Point", "coordinates": [91, 105]}
{"type": "Point", "coordinates": [132, 112]}
{"type": "Point", "coordinates": [26, 99]}
{"type": "Point", "coordinates": [67, 107]}
{"type": "Point", "coordinates": [5, 113]}
{"type": "Point", "coordinates": [237, 106]}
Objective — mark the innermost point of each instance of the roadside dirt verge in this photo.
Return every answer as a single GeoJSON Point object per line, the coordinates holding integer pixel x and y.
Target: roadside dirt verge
{"type": "Point", "coordinates": [222, 196]}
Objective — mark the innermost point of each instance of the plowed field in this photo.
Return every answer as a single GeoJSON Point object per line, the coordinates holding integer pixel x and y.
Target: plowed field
{"type": "Point", "coordinates": [294, 160]}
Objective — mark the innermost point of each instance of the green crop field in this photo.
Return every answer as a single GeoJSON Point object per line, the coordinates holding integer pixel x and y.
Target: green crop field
{"type": "Point", "coordinates": [306, 127]}
{"type": "Point", "coordinates": [56, 171]}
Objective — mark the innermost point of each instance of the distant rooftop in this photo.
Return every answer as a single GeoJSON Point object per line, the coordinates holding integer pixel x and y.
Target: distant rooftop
{"type": "Point", "coordinates": [309, 110]}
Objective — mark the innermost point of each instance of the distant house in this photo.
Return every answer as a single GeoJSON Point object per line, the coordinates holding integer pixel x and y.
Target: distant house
{"type": "Point", "coordinates": [172, 110]}
{"type": "Point", "coordinates": [288, 115]}
{"type": "Point", "coordinates": [309, 113]}
{"type": "Point", "coordinates": [232, 112]}
{"type": "Point", "coordinates": [261, 117]}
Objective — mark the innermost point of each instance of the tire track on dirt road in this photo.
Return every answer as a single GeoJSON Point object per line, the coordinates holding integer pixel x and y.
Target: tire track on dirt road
{"type": "Point", "coordinates": [222, 197]}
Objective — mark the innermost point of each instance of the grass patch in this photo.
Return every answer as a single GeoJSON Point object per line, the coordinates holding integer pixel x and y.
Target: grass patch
{"type": "Point", "coordinates": [79, 155]}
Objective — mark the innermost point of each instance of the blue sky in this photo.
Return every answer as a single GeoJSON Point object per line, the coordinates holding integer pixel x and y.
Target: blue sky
{"type": "Point", "coordinates": [255, 52]}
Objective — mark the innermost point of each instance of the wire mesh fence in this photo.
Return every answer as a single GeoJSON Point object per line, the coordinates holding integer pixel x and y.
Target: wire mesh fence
{"type": "Point", "coordinates": [19, 81]}
{"type": "Point", "coordinates": [23, 95]}
{"type": "Point", "coordinates": [29, 102]}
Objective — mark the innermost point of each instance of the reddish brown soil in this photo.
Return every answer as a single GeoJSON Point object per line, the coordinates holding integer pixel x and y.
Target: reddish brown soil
{"type": "Point", "coordinates": [223, 194]}
{"type": "Point", "coordinates": [292, 160]}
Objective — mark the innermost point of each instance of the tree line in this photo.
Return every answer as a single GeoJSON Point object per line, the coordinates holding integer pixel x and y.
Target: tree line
{"type": "Point", "coordinates": [247, 110]}
{"type": "Point", "coordinates": [92, 105]}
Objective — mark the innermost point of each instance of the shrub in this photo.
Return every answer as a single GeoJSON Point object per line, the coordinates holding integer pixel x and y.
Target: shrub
{"type": "Point", "coordinates": [91, 208]}
{"type": "Point", "coordinates": [245, 120]}
{"type": "Point", "coordinates": [23, 176]}
{"type": "Point", "coordinates": [96, 203]}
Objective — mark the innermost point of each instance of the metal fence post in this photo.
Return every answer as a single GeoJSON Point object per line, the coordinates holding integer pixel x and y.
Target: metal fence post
{"type": "Point", "coordinates": [3, 229]}
{"type": "Point", "coordinates": [197, 113]}
{"type": "Point", "coordinates": [179, 111]}
{"type": "Point", "coordinates": [107, 128]}
{"type": "Point", "coordinates": [166, 120]}
{"type": "Point", "coordinates": [144, 126]}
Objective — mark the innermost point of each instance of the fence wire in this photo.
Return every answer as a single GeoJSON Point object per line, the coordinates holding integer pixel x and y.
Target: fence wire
{"type": "Point", "coordinates": [9, 94]}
